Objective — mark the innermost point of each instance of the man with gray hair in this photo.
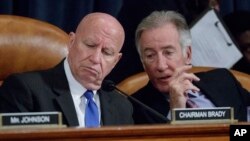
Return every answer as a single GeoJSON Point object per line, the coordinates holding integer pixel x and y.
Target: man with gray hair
{"type": "Point", "coordinates": [163, 42]}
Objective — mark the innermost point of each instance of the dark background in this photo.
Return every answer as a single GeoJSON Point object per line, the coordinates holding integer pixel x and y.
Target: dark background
{"type": "Point", "coordinates": [66, 14]}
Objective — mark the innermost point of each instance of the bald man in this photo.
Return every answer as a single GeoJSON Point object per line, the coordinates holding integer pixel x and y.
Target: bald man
{"type": "Point", "coordinates": [93, 51]}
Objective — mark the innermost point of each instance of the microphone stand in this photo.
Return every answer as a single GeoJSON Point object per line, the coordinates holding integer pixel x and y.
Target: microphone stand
{"type": "Point", "coordinates": [142, 104]}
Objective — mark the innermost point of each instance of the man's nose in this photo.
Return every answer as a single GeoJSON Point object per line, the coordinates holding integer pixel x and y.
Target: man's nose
{"type": "Point", "coordinates": [96, 56]}
{"type": "Point", "coordinates": [161, 63]}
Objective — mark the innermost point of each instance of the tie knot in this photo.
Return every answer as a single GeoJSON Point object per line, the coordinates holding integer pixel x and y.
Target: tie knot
{"type": "Point", "coordinates": [88, 94]}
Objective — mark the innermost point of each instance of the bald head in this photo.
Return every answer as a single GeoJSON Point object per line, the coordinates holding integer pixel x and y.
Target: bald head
{"type": "Point", "coordinates": [94, 49]}
{"type": "Point", "coordinates": [110, 25]}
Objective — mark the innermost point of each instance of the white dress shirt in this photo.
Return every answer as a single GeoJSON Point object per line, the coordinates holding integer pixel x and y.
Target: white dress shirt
{"type": "Point", "coordinates": [77, 91]}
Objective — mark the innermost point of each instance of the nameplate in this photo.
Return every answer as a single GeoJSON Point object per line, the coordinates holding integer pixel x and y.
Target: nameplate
{"type": "Point", "coordinates": [203, 115]}
{"type": "Point", "coordinates": [30, 119]}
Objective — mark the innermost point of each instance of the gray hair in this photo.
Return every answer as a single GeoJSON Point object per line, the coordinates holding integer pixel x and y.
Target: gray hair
{"type": "Point", "coordinates": [160, 18]}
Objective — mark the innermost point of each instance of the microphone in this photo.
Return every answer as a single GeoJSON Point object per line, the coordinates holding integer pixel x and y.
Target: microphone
{"type": "Point", "coordinates": [109, 85]}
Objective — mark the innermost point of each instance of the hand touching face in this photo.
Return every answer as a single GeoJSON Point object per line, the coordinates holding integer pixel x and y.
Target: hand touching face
{"type": "Point", "coordinates": [166, 63]}
{"type": "Point", "coordinates": [179, 85]}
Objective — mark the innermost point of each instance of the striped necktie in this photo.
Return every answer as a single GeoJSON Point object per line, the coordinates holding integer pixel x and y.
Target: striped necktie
{"type": "Point", "coordinates": [190, 103]}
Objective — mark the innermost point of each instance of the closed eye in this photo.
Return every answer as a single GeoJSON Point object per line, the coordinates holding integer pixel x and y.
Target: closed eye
{"type": "Point", "coordinates": [108, 52]}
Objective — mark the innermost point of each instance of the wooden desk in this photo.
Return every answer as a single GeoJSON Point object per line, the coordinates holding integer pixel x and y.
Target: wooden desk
{"type": "Point", "coordinates": [208, 132]}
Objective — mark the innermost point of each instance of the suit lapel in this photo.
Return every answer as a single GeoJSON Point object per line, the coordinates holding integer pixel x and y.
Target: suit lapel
{"type": "Point", "coordinates": [108, 110]}
{"type": "Point", "coordinates": [209, 91]}
{"type": "Point", "coordinates": [64, 99]}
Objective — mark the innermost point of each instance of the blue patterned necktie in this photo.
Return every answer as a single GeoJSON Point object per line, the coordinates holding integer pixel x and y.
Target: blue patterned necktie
{"type": "Point", "coordinates": [190, 103]}
{"type": "Point", "coordinates": [91, 111]}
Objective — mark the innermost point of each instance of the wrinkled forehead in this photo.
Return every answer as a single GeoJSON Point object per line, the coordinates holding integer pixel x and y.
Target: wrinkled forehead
{"type": "Point", "coordinates": [102, 26]}
{"type": "Point", "coordinates": [101, 19]}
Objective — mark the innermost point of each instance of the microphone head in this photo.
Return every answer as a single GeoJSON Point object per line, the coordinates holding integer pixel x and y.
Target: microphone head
{"type": "Point", "coordinates": [108, 85]}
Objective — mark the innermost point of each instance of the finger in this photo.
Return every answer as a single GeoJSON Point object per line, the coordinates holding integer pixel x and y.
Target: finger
{"type": "Point", "coordinates": [180, 70]}
{"type": "Point", "coordinates": [191, 77]}
{"type": "Point", "coordinates": [186, 76]}
{"type": "Point", "coordinates": [190, 87]}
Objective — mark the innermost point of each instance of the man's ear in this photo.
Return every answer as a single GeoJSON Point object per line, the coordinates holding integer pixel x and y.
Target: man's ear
{"type": "Point", "coordinates": [71, 39]}
{"type": "Point", "coordinates": [188, 56]}
{"type": "Point", "coordinates": [143, 63]}
{"type": "Point", "coordinates": [118, 59]}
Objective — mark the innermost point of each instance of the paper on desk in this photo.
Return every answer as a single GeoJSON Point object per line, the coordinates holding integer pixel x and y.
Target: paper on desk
{"type": "Point", "coordinates": [212, 45]}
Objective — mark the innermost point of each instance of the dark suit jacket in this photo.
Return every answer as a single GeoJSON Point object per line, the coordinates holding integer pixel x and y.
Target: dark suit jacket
{"type": "Point", "coordinates": [49, 91]}
{"type": "Point", "coordinates": [219, 86]}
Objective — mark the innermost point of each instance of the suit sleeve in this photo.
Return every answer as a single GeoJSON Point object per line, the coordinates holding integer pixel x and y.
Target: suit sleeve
{"type": "Point", "coordinates": [244, 93]}
{"type": "Point", "coordinates": [15, 96]}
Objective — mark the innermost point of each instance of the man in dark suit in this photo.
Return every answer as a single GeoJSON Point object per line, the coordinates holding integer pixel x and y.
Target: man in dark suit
{"type": "Point", "coordinates": [238, 23]}
{"type": "Point", "coordinates": [163, 42]}
{"type": "Point", "coordinates": [94, 50]}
